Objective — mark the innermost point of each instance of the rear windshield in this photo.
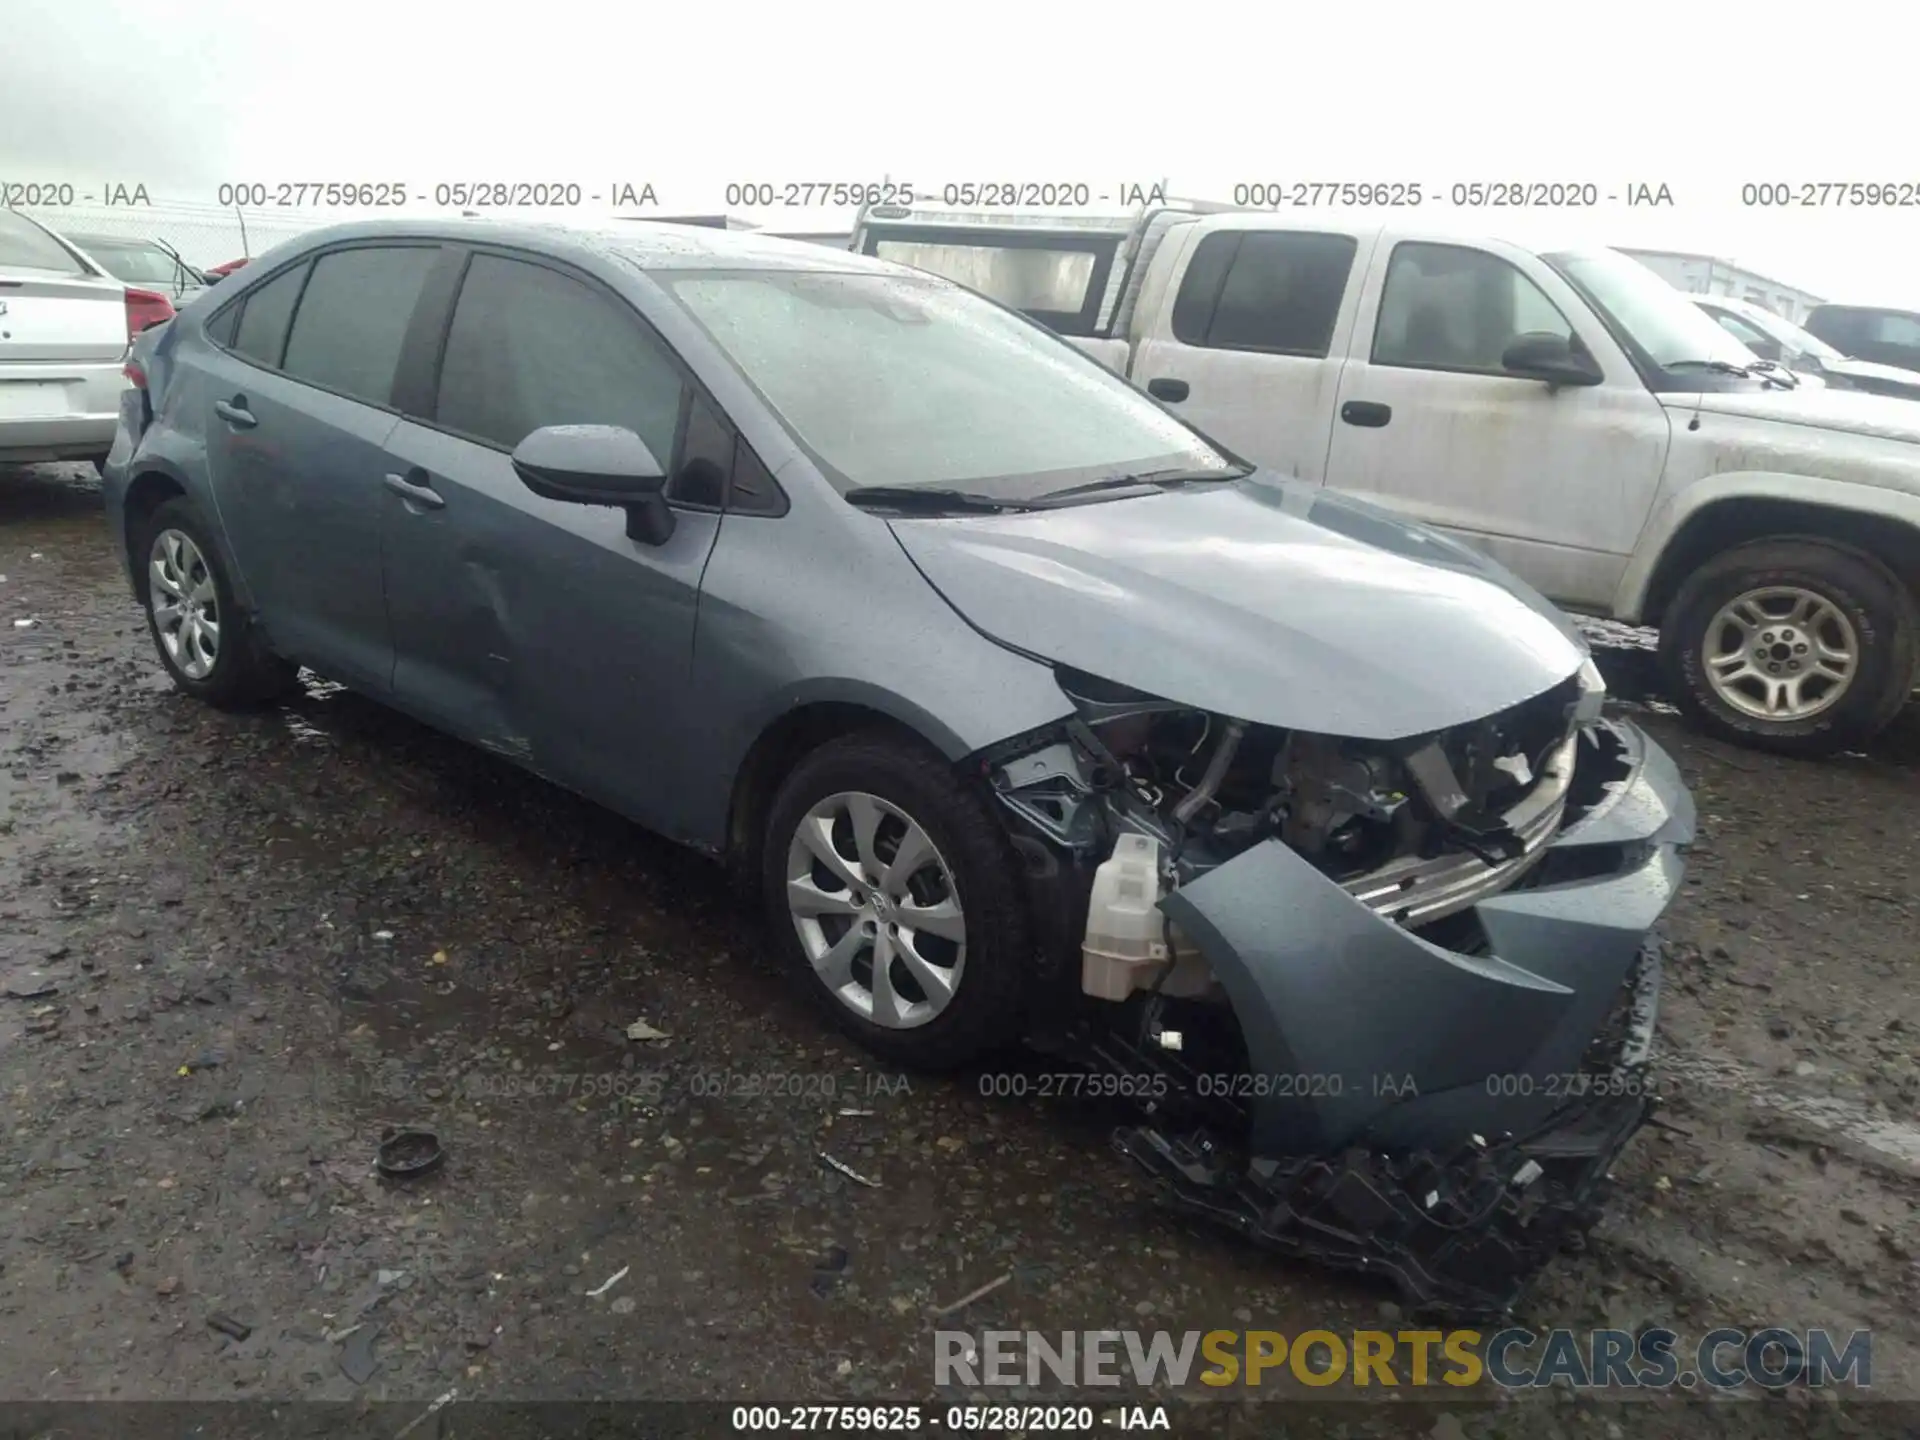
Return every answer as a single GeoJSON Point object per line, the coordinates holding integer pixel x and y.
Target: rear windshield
{"type": "Point", "coordinates": [25, 246]}
{"type": "Point", "coordinates": [135, 261]}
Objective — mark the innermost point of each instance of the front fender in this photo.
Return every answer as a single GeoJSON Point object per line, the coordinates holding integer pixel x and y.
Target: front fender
{"type": "Point", "coordinates": [1860, 497]}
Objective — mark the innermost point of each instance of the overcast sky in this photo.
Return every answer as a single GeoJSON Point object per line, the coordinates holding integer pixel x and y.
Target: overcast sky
{"type": "Point", "coordinates": [184, 95]}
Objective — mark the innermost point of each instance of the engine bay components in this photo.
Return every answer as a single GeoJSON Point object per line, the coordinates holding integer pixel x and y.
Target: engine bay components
{"type": "Point", "coordinates": [1316, 953]}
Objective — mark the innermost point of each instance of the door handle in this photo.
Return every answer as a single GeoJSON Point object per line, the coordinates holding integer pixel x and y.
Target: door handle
{"type": "Point", "coordinates": [1368, 413]}
{"type": "Point", "coordinates": [414, 492]}
{"type": "Point", "coordinates": [1168, 389]}
{"type": "Point", "coordinates": [235, 412]}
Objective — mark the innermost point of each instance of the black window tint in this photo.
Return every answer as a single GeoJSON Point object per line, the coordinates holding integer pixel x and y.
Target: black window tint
{"type": "Point", "coordinates": [220, 329]}
{"type": "Point", "coordinates": [1283, 293]}
{"type": "Point", "coordinates": [755, 492]}
{"type": "Point", "coordinates": [705, 457]}
{"type": "Point", "coordinates": [354, 316]}
{"type": "Point", "coordinates": [264, 313]}
{"type": "Point", "coordinates": [530, 347]}
{"type": "Point", "coordinates": [1451, 307]}
{"type": "Point", "coordinates": [1200, 286]}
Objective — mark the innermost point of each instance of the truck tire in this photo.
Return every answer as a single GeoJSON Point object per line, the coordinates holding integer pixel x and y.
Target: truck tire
{"type": "Point", "coordinates": [838, 902]}
{"type": "Point", "coordinates": [1800, 647]}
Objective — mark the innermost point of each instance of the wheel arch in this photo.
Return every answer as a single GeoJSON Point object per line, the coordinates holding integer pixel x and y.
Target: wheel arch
{"type": "Point", "coordinates": [1880, 526]}
{"type": "Point", "coordinates": [798, 730]}
{"type": "Point", "coordinates": [147, 491]}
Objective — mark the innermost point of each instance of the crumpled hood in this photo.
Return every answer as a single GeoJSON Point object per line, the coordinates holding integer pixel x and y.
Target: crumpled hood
{"type": "Point", "coordinates": [1850, 412]}
{"type": "Point", "coordinates": [1268, 600]}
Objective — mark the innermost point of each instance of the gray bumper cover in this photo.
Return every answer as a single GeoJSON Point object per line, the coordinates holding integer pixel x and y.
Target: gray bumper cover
{"type": "Point", "coordinates": [1359, 1032]}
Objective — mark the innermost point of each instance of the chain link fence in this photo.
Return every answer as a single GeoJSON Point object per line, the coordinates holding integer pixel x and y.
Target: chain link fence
{"type": "Point", "coordinates": [203, 234]}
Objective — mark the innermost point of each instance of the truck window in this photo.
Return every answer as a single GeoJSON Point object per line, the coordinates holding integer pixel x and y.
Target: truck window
{"type": "Point", "coordinates": [1270, 290]}
{"type": "Point", "coordinates": [1274, 291]}
{"type": "Point", "coordinates": [1451, 307]}
{"type": "Point", "coordinates": [1057, 280]}
{"type": "Point", "coordinates": [1890, 328]}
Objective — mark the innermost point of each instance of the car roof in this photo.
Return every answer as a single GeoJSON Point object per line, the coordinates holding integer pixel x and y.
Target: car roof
{"type": "Point", "coordinates": [1866, 310]}
{"type": "Point", "coordinates": [1733, 303]}
{"type": "Point", "coordinates": [644, 245]}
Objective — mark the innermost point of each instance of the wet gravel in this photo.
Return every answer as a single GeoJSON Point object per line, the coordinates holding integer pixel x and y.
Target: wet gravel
{"type": "Point", "coordinates": [237, 951]}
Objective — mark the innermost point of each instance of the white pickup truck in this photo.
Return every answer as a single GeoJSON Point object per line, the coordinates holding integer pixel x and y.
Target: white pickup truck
{"type": "Point", "coordinates": [1567, 412]}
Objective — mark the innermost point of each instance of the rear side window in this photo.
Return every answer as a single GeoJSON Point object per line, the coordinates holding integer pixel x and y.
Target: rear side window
{"type": "Point", "coordinates": [1272, 291]}
{"type": "Point", "coordinates": [530, 347]}
{"type": "Point", "coordinates": [25, 246]}
{"type": "Point", "coordinates": [261, 334]}
{"type": "Point", "coordinates": [353, 317]}
{"type": "Point", "coordinates": [1890, 328]}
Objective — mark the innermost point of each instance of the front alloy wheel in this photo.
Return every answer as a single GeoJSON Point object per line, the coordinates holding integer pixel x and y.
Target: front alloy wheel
{"type": "Point", "coordinates": [875, 908]}
{"type": "Point", "coordinates": [1796, 645]}
{"type": "Point", "coordinates": [1781, 653]}
{"type": "Point", "coordinates": [893, 892]}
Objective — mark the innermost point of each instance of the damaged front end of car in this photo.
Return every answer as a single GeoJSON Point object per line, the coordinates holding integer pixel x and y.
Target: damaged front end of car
{"type": "Point", "coordinates": [1389, 1003]}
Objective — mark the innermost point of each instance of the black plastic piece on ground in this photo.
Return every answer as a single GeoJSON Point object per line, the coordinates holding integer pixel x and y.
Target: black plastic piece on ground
{"type": "Point", "coordinates": [407, 1153]}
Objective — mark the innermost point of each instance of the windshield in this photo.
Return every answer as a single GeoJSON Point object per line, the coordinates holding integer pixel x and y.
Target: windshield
{"type": "Point", "coordinates": [134, 261]}
{"type": "Point", "coordinates": [1662, 321]}
{"type": "Point", "coordinates": [1789, 334]}
{"type": "Point", "coordinates": [890, 380]}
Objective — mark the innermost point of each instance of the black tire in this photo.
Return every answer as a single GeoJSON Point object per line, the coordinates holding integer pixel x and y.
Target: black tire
{"type": "Point", "coordinates": [1879, 608]}
{"type": "Point", "coordinates": [244, 672]}
{"type": "Point", "coordinates": [987, 1007]}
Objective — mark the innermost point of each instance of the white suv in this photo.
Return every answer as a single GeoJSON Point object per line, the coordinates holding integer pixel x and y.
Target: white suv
{"type": "Point", "coordinates": [64, 331]}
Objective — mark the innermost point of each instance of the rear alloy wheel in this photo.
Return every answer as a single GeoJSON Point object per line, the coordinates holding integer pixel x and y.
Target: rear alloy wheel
{"type": "Point", "coordinates": [184, 603]}
{"type": "Point", "coordinates": [207, 643]}
{"type": "Point", "coordinates": [895, 894]}
{"type": "Point", "coordinates": [1794, 646]}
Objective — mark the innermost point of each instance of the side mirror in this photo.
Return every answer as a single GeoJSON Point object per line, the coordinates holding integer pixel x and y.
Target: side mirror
{"type": "Point", "coordinates": [598, 465]}
{"type": "Point", "coordinates": [1542, 355]}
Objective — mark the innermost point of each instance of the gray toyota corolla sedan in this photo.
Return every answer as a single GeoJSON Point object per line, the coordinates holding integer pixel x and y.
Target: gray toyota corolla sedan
{"type": "Point", "coordinates": [1032, 713]}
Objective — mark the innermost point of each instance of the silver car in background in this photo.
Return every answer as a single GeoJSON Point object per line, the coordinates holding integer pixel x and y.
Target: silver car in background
{"type": "Point", "coordinates": [1780, 342]}
{"type": "Point", "coordinates": [64, 331]}
{"type": "Point", "coordinates": [151, 265]}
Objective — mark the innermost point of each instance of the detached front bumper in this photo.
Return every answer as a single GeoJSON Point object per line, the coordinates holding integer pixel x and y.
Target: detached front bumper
{"type": "Point", "coordinates": [1441, 1116]}
{"type": "Point", "coordinates": [1360, 1032]}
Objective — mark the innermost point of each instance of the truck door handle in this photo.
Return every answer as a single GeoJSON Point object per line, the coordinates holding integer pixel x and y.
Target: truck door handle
{"type": "Point", "coordinates": [235, 412]}
{"type": "Point", "coordinates": [416, 491]}
{"type": "Point", "coordinates": [1368, 413]}
{"type": "Point", "coordinates": [1168, 389]}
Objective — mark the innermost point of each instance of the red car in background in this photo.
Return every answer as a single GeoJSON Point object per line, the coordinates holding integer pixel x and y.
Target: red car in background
{"type": "Point", "coordinates": [215, 273]}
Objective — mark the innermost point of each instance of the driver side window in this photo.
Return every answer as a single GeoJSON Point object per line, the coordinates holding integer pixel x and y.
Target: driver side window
{"type": "Point", "coordinates": [1451, 307]}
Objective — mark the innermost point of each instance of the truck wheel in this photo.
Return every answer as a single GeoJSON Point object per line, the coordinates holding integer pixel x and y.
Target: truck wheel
{"type": "Point", "coordinates": [207, 643]}
{"type": "Point", "coordinates": [894, 894]}
{"type": "Point", "coordinates": [1795, 646]}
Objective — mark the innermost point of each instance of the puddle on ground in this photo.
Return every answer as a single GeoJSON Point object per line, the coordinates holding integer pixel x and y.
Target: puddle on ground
{"type": "Point", "coordinates": [1849, 1119]}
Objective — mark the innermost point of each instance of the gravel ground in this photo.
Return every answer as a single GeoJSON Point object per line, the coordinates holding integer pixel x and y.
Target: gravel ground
{"type": "Point", "coordinates": [261, 940]}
